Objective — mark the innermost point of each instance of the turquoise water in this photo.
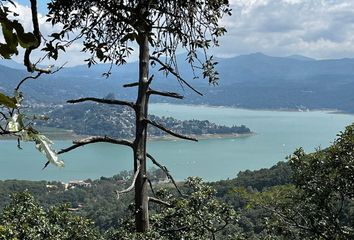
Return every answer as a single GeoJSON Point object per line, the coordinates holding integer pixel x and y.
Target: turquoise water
{"type": "Point", "coordinates": [278, 135]}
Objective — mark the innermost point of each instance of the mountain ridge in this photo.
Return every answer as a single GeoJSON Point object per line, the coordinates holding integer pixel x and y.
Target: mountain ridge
{"type": "Point", "coordinates": [248, 81]}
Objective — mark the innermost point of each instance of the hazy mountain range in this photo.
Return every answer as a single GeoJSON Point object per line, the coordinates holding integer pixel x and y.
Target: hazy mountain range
{"type": "Point", "coordinates": [250, 81]}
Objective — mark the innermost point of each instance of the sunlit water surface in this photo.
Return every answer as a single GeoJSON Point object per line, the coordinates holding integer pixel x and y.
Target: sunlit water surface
{"type": "Point", "coordinates": [278, 134]}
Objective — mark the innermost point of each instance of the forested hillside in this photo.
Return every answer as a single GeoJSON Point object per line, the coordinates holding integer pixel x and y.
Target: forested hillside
{"type": "Point", "coordinates": [98, 200]}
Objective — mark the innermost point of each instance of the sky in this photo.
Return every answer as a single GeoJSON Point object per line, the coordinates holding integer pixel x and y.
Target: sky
{"type": "Point", "coordinates": [320, 29]}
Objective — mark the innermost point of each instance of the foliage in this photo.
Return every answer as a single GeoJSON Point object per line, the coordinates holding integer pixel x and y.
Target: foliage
{"type": "Point", "coordinates": [110, 28]}
{"type": "Point", "coordinates": [23, 218]}
{"type": "Point", "coordinates": [256, 180]}
{"type": "Point", "coordinates": [14, 33]}
{"type": "Point", "coordinates": [196, 215]}
{"type": "Point", "coordinates": [320, 203]}
{"type": "Point", "coordinates": [100, 204]}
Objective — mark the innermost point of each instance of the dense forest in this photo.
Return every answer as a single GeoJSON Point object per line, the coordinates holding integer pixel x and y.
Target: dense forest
{"type": "Point", "coordinates": [97, 200]}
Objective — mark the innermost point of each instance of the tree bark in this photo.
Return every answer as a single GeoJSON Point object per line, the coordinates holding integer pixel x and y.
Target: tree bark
{"type": "Point", "coordinates": [141, 184]}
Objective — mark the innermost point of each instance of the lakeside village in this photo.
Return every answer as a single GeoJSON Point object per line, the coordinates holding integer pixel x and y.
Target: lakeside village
{"type": "Point", "coordinates": [88, 183]}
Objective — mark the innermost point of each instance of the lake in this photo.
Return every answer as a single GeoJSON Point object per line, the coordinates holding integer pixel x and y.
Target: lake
{"type": "Point", "coordinates": [278, 134]}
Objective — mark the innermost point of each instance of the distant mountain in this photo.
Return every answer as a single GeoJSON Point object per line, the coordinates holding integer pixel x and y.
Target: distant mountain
{"type": "Point", "coordinates": [8, 78]}
{"type": "Point", "coordinates": [250, 81]}
{"type": "Point", "coordinates": [300, 57]}
{"type": "Point", "coordinates": [11, 64]}
{"type": "Point", "coordinates": [260, 81]}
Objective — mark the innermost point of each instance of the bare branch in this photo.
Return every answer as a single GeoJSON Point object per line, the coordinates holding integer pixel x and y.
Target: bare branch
{"type": "Point", "coordinates": [159, 201]}
{"type": "Point", "coordinates": [26, 78]}
{"type": "Point", "coordinates": [163, 168]}
{"type": "Point", "coordinates": [150, 79]}
{"type": "Point", "coordinates": [166, 94]}
{"type": "Point", "coordinates": [106, 101]}
{"type": "Point", "coordinates": [287, 220]}
{"type": "Point", "coordinates": [183, 228]}
{"type": "Point", "coordinates": [5, 132]}
{"type": "Point", "coordinates": [173, 72]}
{"type": "Point", "coordinates": [39, 73]}
{"type": "Point", "coordinates": [93, 139]}
{"type": "Point", "coordinates": [131, 187]}
{"type": "Point", "coordinates": [96, 139]}
{"type": "Point", "coordinates": [19, 143]}
{"type": "Point", "coordinates": [159, 126]}
{"type": "Point", "coordinates": [3, 115]}
{"type": "Point", "coordinates": [150, 184]}
{"type": "Point", "coordinates": [45, 165]}
{"type": "Point", "coordinates": [134, 84]}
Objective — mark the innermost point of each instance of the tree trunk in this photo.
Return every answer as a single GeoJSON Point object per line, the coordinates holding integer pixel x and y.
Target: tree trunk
{"type": "Point", "coordinates": [141, 194]}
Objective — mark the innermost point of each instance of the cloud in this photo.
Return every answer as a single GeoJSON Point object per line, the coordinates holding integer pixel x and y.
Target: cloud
{"type": "Point", "coordinates": [316, 28]}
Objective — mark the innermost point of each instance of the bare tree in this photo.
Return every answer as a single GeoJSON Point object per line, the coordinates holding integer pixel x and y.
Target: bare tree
{"type": "Point", "coordinates": [109, 31]}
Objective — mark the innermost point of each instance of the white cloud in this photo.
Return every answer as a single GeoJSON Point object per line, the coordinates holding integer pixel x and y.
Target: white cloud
{"type": "Point", "coordinates": [317, 28]}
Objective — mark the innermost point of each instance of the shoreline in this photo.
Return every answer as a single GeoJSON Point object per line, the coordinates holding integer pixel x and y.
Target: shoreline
{"type": "Point", "coordinates": [203, 136]}
{"type": "Point", "coordinates": [72, 136]}
{"type": "Point", "coordinates": [327, 110]}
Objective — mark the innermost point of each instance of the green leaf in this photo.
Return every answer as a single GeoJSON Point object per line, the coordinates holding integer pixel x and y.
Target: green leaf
{"type": "Point", "coordinates": [99, 54]}
{"type": "Point", "coordinates": [6, 52]}
{"type": "Point", "coordinates": [26, 40]}
{"type": "Point", "coordinates": [10, 37]}
{"type": "Point", "coordinates": [7, 101]}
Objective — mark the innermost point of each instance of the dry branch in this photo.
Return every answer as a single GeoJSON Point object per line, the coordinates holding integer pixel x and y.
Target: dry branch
{"type": "Point", "coordinates": [101, 100]}
{"type": "Point", "coordinates": [163, 168]}
{"type": "Point", "coordinates": [96, 139]}
{"type": "Point", "coordinates": [134, 84]}
{"type": "Point", "coordinates": [39, 73]}
{"type": "Point", "coordinates": [166, 94]}
{"type": "Point", "coordinates": [150, 184]}
{"type": "Point", "coordinates": [173, 72]}
{"type": "Point", "coordinates": [159, 126]}
{"type": "Point", "coordinates": [26, 78]}
{"type": "Point", "coordinates": [159, 201]}
{"type": "Point", "coordinates": [131, 187]}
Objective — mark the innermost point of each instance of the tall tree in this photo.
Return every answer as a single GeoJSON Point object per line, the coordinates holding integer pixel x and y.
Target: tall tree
{"type": "Point", "coordinates": [111, 29]}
